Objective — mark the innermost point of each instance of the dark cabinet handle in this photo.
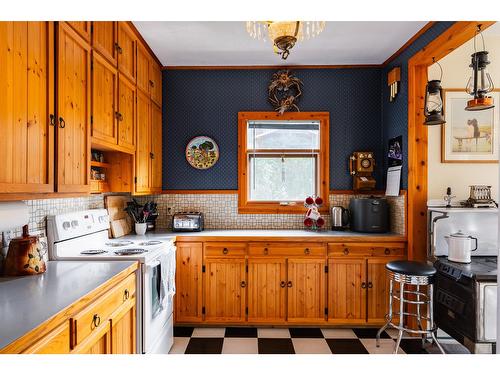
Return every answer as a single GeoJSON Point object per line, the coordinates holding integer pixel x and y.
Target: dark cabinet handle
{"type": "Point", "coordinates": [118, 48]}
{"type": "Point", "coordinates": [96, 320]}
{"type": "Point", "coordinates": [289, 284]}
{"type": "Point", "coordinates": [62, 123]}
{"type": "Point", "coordinates": [370, 285]}
{"type": "Point", "coordinates": [266, 251]}
{"type": "Point", "coordinates": [307, 251]}
{"type": "Point", "coordinates": [225, 251]}
{"type": "Point", "coordinates": [126, 295]}
{"type": "Point", "coordinates": [363, 285]}
{"type": "Point", "coordinates": [387, 251]}
{"type": "Point", "coordinates": [151, 155]}
{"type": "Point", "coordinates": [346, 251]}
{"type": "Point", "coordinates": [52, 121]}
{"type": "Point", "coordinates": [119, 116]}
{"type": "Point", "coordinates": [282, 284]}
{"type": "Point", "coordinates": [151, 83]}
{"type": "Point", "coordinates": [243, 284]}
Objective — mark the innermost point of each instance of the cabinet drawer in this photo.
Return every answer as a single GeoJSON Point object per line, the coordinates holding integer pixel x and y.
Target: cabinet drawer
{"type": "Point", "coordinates": [286, 249]}
{"type": "Point", "coordinates": [99, 312]}
{"type": "Point", "coordinates": [225, 249]}
{"type": "Point", "coordinates": [389, 250]}
{"type": "Point", "coordinates": [368, 249]}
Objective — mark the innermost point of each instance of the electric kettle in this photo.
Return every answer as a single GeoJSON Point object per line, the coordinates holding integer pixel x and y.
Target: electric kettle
{"type": "Point", "coordinates": [340, 218]}
{"type": "Point", "coordinates": [460, 247]}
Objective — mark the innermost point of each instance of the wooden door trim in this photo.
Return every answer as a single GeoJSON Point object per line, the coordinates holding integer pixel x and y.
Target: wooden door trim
{"type": "Point", "coordinates": [456, 35]}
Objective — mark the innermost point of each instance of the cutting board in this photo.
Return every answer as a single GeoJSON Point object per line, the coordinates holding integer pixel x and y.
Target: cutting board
{"type": "Point", "coordinates": [120, 222]}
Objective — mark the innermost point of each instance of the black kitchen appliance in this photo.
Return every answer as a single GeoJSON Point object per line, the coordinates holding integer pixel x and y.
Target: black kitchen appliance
{"type": "Point", "coordinates": [187, 222]}
{"type": "Point", "coordinates": [369, 215]}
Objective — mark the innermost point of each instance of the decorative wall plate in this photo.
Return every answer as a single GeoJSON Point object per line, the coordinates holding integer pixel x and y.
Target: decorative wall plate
{"type": "Point", "coordinates": [202, 152]}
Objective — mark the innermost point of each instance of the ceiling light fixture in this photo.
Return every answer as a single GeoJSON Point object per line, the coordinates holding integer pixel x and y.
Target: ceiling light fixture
{"type": "Point", "coordinates": [480, 82]}
{"type": "Point", "coordinates": [284, 34]}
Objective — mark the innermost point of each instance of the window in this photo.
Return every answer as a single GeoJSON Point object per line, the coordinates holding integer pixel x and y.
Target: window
{"type": "Point", "coordinates": [283, 159]}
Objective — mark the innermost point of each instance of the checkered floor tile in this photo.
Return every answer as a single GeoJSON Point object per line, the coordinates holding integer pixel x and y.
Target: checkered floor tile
{"type": "Point", "coordinates": [247, 340]}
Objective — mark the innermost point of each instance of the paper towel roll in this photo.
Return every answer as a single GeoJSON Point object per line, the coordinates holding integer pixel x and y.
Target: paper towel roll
{"type": "Point", "coordinates": [13, 215]}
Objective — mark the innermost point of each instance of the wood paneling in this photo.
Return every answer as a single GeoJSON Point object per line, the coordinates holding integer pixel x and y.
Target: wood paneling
{"type": "Point", "coordinates": [156, 82]}
{"type": "Point", "coordinates": [266, 290]}
{"type": "Point", "coordinates": [306, 287]}
{"type": "Point", "coordinates": [225, 283]}
{"type": "Point", "coordinates": [123, 331]}
{"type": "Point", "coordinates": [127, 114]}
{"type": "Point", "coordinates": [142, 155]}
{"type": "Point", "coordinates": [104, 100]}
{"type": "Point", "coordinates": [346, 297]}
{"type": "Point", "coordinates": [56, 341]}
{"type": "Point", "coordinates": [143, 69]}
{"type": "Point", "coordinates": [97, 343]}
{"type": "Point", "coordinates": [127, 51]}
{"type": "Point", "coordinates": [105, 39]}
{"type": "Point", "coordinates": [156, 148]}
{"type": "Point", "coordinates": [188, 297]}
{"type": "Point", "coordinates": [73, 111]}
{"type": "Point", "coordinates": [82, 28]}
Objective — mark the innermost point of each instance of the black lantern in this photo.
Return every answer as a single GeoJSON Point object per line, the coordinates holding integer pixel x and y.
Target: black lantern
{"type": "Point", "coordinates": [480, 82]}
{"type": "Point", "coordinates": [433, 111]}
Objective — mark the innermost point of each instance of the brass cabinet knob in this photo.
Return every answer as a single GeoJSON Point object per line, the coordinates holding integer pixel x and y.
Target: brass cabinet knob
{"type": "Point", "coordinates": [282, 284]}
{"type": "Point", "coordinates": [225, 251]}
{"type": "Point", "coordinates": [346, 251]}
{"type": "Point", "coordinates": [96, 320]}
{"type": "Point", "coordinates": [307, 251]}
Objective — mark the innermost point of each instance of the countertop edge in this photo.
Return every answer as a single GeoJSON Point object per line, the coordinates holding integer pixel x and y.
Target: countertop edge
{"type": "Point", "coordinates": [19, 344]}
{"type": "Point", "coordinates": [325, 239]}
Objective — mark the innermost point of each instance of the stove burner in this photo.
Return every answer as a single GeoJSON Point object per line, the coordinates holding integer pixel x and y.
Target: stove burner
{"type": "Point", "coordinates": [93, 252]}
{"type": "Point", "coordinates": [118, 243]}
{"type": "Point", "coordinates": [132, 251]}
{"type": "Point", "coordinates": [149, 243]}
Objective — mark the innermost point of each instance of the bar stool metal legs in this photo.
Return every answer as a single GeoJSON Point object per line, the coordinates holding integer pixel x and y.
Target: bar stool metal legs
{"type": "Point", "coordinates": [410, 297]}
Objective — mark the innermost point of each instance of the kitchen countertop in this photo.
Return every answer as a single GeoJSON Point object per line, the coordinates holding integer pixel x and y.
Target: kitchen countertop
{"type": "Point", "coordinates": [28, 301]}
{"type": "Point", "coordinates": [264, 234]}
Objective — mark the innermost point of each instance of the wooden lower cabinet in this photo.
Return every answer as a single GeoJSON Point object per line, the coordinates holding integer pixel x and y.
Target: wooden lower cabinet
{"type": "Point", "coordinates": [266, 290]}
{"type": "Point", "coordinates": [188, 281]}
{"type": "Point", "coordinates": [378, 289]}
{"type": "Point", "coordinates": [57, 341]}
{"type": "Point", "coordinates": [123, 332]}
{"type": "Point", "coordinates": [97, 343]}
{"type": "Point", "coordinates": [225, 283]}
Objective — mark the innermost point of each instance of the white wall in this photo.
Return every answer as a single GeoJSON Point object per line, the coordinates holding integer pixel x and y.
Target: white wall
{"type": "Point", "coordinates": [459, 176]}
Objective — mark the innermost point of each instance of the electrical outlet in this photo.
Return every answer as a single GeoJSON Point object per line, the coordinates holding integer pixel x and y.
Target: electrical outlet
{"type": "Point", "coordinates": [170, 210]}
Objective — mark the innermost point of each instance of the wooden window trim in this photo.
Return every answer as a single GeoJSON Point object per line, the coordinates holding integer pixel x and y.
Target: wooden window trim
{"type": "Point", "coordinates": [248, 207]}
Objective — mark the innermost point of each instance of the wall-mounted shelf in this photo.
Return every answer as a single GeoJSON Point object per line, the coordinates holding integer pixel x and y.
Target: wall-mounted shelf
{"type": "Point", "coordinates": [99, 164]}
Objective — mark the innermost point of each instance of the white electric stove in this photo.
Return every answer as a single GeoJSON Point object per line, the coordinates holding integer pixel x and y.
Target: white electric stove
{"type": "Point", "coordinates": [83, 235]}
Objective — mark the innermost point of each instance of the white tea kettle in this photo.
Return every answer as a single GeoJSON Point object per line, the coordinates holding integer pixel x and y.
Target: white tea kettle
{"type": "Point", "coordinates": [460, 247]}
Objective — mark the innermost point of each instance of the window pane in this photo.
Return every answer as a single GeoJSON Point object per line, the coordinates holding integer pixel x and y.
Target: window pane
{"type": "Point", "coordinates": [297, 135]}
{"type": "Point", "coordinates": [282, 179]}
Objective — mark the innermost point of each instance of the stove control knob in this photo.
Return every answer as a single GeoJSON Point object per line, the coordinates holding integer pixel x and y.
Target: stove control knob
{"type": "Point", "coordinates": [74, 224]}
{"type": "Point", "coordinates": [66, 225]}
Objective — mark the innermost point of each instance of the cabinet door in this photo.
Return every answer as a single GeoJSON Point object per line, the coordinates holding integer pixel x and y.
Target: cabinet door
{"type": "Point", "coordinates": [97, 343]}
{"type": "Point", "coordinates": [26, 102]}
{"type": "Point", "coordinates": [306, 287]}
{"type": "Point", "coordinates": [73, 111]}
{"type": "Point", "coordinates": [82, 28]}
{"type": "Point", "coordinates": [55, 342]}
{"type": "Point", "coordinates": [266, 290]}
{"type": "Point", "coordinates": [105, 39]}
{"type": "Point", "coordinates": [126, 115]}
{"type": "Point", "coordinates": [156, 148]}
{"type": "Point", "coordinates": [104, 101]}
{"type": "Point", "coordinates": [346, 291]}
{"type": "Point", "coordinates": [123, 329]}
{"type": "Point", "coordinates": [156, 82]}
{"type": "Point", "coordinates": [143, 69]}
{"type": "Point", "coordinates": [188, 282]}
{"type": "Point", "coordinates": [142, 155]}
{"type": "Point", "coordinates": [378, 289]}
{"type": "Point", "coordinates": [225, 283]}
{"type": "Point", "coordinates": [126, 50]}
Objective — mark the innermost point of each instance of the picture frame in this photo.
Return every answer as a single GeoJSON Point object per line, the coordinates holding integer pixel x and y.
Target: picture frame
{"type": "Point", "coordinates": [469, 136]}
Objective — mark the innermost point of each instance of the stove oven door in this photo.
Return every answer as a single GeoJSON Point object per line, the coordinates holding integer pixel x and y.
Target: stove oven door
{"type": "Point", "coordinates": [156, 309]}
{"type": "Point", "coordinates": [487, 327]}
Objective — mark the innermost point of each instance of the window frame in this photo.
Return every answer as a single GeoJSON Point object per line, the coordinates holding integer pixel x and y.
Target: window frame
{"type": "Point", "coordinates": [245, 206]}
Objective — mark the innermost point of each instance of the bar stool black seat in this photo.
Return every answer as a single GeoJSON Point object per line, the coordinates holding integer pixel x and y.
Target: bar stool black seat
{"type": "Point", "coordinates": [416, 282]}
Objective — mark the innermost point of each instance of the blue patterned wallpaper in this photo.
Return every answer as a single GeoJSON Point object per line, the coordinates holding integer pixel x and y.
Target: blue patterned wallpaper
{"type": "Point", "coordinates": [395, 114]}
{"type": "Point", "coordinates": [207, 102]}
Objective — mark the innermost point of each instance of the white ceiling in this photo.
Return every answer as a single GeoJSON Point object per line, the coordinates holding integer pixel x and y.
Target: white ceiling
{"type": "Point", "coordinates": [227, 43]}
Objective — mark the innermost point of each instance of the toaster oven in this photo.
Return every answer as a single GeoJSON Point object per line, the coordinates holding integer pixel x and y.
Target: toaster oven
{"type": "Point", "coordinates": [187, 222]}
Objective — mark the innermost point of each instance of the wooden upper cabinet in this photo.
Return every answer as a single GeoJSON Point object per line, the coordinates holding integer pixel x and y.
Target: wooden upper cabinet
{"type": "Point", "coordinates": [156, 83]}
{"type": "Point", "coordinates": [127, 42]}
{"type": "Point", "coordinates": [73, 111]}
{"type": "Point", "coordinates": [143, 150]}
{"type": "Point", "coordinates": [266, 290]}
{"type": "Point", "coordinates": [105, 40]}
{"type": "Point", "coordinates": [104, 100]}
{"type": "Point", "coordinates": [156, 148]}
{"type": "Point", "coordinates": [143, 69]}
{"type": "Point", "coordinates": [26, 104]}
{"type": "Point", "coordinates": [346, 290]}
{"type": "Point", "coordinates": [225, 283]}
{"type": "Point", "coordinates": [188, 282]}
{"type": "Point", "coordinates": [82, 28]}
{"type": "Point", "coordinates": [126, 114]}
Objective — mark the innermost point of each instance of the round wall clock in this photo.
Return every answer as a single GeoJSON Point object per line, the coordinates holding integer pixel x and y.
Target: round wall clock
{"type": "Point", "coordinates": [202, 152]}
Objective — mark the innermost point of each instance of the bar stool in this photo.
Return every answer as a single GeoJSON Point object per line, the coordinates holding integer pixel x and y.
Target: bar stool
{"type": "Point", "coordinates": [416, 274]}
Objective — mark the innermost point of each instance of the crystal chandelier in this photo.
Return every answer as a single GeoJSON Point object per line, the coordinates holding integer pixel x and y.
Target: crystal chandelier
{"type": "Point", "coordinates": [284, 34]}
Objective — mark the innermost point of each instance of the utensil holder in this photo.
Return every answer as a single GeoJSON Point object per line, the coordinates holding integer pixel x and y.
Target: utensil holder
{"type": "Point", "coordinates": [140, 228]}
